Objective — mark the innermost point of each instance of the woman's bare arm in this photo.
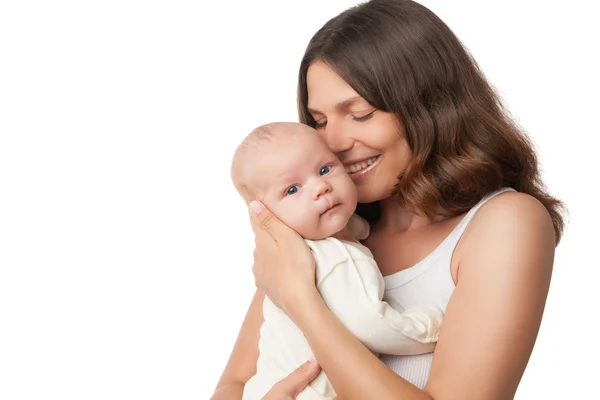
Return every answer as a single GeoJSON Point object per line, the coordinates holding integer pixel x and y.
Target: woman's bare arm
{"type": "Point", "coordinates": [494, 315]}
{"type": "Point", "coordinates": [353, 370]}
{"type": "Point", "coordinates": [490, 325]}
{"type": "Point", "coordinates": [241, 365]}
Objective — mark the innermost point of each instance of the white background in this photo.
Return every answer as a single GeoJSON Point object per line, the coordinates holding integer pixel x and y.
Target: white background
{"type": "Point", "coordinates": [125, 253]}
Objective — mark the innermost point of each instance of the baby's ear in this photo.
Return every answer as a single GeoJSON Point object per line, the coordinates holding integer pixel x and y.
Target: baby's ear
{"type": "Point", "coordinates": [358, 227]}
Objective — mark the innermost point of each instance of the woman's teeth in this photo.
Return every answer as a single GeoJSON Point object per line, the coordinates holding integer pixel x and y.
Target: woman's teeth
{"type": "Point", "coordinates": [360, 165]}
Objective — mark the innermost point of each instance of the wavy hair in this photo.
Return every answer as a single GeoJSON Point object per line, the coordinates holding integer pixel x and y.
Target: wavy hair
{"type": "Point", "coordinates": [401, 58]}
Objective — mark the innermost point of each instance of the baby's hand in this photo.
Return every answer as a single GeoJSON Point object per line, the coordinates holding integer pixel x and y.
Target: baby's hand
{"type": "Point", "coordinates": [358, 227]}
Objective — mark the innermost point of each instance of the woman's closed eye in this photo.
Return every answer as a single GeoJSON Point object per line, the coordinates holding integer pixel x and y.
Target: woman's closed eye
{"type": "Point", "coordinates": [364, 117]}
{"type": "Point", "coordinates": [358, 117]}
{"type": "Point", "coordinates": [320, 124]}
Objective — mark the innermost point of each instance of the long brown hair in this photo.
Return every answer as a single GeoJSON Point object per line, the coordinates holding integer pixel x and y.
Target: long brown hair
{"type": "Point", "coordinates": [401, 58]}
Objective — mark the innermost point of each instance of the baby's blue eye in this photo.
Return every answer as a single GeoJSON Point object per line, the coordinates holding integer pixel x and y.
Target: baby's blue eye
{"type": "Point", "coordinates": [292, 190]}
{"type": "Point", "coordinates": [325, 170]}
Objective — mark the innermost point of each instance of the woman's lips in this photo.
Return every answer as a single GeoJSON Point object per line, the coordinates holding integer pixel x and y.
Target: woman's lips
{"type": "Point", "coordinates": [361, 174]}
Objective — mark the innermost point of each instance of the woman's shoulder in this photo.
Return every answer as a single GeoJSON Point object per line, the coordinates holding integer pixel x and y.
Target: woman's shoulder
{"type": "Point", "coordinates": [511, 209]}
{"type": "Point", "coordinates": [513, 222]}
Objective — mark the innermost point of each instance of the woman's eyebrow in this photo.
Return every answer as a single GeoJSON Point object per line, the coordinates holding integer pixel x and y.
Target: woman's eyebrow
{"type": "Point", "coordinates": [339, 106]}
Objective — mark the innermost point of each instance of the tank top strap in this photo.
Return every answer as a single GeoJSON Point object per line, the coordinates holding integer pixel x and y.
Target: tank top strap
{"type": "Point", "coordinates": [456, 234]}
{"type": "Point", "coordinates": [442, 255]}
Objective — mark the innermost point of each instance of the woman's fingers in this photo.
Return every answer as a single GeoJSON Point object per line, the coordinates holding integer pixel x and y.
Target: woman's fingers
{"type": "Point", "coordinates": [266, 220]}
{"type": "Point", "coordinates": [283, 264]}
{"type": "Point", "coordinates": [290, 386]}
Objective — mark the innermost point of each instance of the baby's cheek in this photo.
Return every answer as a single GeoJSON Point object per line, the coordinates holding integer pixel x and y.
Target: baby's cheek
{"type": "Point", "coordinates": [287, 213]}
{"type": "Point", "coordinates": [284, 212]}
{"type": "Point", "coordinates": [304, 222]}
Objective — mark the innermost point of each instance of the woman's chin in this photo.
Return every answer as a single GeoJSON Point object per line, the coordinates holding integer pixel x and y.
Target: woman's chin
{"type": "Point", "coordinates": [376, 189]}
{"type": "Point", "coordinates": [365, 195]}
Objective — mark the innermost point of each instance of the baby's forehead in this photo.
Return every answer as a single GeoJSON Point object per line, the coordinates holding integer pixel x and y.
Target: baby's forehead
{"type": "Point", "coordinates": [304, 145]}
{"type": "Point", "coordinates": [282, 141]}
{"type": "Point", "coordinates": [299, 140]}
{"type": "Point", "coordinates": [265, 175]}
{"type": "Point", "coordinates": [283, 158]}
{"type": "Point", "coordinates": [273, 158]}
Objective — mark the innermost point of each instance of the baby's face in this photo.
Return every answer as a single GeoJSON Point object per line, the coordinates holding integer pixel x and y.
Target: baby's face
{"type": "Point", "coordinates": [303, 183]}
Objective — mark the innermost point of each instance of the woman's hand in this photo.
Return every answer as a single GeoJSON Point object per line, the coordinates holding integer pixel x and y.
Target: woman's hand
{"type": "Point", "coordinates": [284, 267]}
{"type": "Point", "coordinates": [289, 387]}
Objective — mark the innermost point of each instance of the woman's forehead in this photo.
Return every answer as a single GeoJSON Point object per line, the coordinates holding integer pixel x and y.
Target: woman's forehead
{"type": "Point", "coordinates": [326, 89]}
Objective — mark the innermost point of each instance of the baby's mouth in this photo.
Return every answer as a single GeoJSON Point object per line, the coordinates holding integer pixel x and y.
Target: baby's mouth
{"type": "Point", "coordinates": [332, 207]}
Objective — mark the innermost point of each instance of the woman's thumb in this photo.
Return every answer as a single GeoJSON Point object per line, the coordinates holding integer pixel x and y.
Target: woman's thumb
{"type": "Point", "coordinates": [263, 216]}
{"type": "Point", "coordinates": [297, 380]}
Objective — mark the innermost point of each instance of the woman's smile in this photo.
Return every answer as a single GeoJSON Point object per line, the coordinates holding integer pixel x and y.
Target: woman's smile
{"type": "Point", "coordinates": [358, 170]}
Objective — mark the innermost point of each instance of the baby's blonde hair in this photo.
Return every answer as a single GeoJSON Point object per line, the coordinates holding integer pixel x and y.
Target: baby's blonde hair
{"type": "Point", "coordinates": [247, 151]}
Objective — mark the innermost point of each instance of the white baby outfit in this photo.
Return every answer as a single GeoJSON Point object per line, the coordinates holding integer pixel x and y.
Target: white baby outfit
{"type": "Point", "coordinates": [352, 287]}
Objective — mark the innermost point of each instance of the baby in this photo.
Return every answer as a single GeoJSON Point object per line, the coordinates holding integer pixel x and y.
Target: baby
{"type": "Point", "coordinates": [290, 169]}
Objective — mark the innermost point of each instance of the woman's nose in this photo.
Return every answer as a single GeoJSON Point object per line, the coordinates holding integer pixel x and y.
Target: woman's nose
{"type": "Point", "coordinates": [338, 139]}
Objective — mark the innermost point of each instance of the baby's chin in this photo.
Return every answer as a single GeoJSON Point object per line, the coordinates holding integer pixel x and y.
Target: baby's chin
{"type": "Point", "coordinates": [325, 229]}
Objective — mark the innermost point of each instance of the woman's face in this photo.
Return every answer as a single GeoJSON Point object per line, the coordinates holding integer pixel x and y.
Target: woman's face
{"type": "Point", "coordinates": [369, 142]}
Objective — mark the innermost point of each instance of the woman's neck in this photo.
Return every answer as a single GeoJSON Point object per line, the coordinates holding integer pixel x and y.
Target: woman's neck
{"type": "Point", "coordinates": [345, 235]}
{"type": "Point", "coordinates": [395, 217]}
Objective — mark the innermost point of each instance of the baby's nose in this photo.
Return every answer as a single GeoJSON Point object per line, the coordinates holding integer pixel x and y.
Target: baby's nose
{"type": "Point", "coordinates": [323, 187]}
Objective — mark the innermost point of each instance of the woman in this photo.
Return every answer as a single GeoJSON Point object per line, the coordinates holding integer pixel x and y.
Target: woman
{"type": "Point", "coordinates": [459, 215]}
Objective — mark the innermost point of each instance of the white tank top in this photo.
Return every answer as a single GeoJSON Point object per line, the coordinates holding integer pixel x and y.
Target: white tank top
{"type": "Point", "coordinates": [429, 282]}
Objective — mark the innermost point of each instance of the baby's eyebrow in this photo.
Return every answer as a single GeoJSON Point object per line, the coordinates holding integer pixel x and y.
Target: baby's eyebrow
{"type": "Point", "coordinates": [284, 180]}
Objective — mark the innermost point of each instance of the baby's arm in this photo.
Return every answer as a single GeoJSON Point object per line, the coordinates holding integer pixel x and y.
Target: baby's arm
{"type": "Point", "coordinates": [352, 287]}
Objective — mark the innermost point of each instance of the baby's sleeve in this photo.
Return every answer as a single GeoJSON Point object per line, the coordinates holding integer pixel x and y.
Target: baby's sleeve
{"type": "Point", "coordinates": [352, 287]}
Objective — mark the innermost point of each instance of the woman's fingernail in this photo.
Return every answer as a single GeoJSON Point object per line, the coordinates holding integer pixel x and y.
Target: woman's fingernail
{"type": "Point", "coordinates": [256, 207]}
